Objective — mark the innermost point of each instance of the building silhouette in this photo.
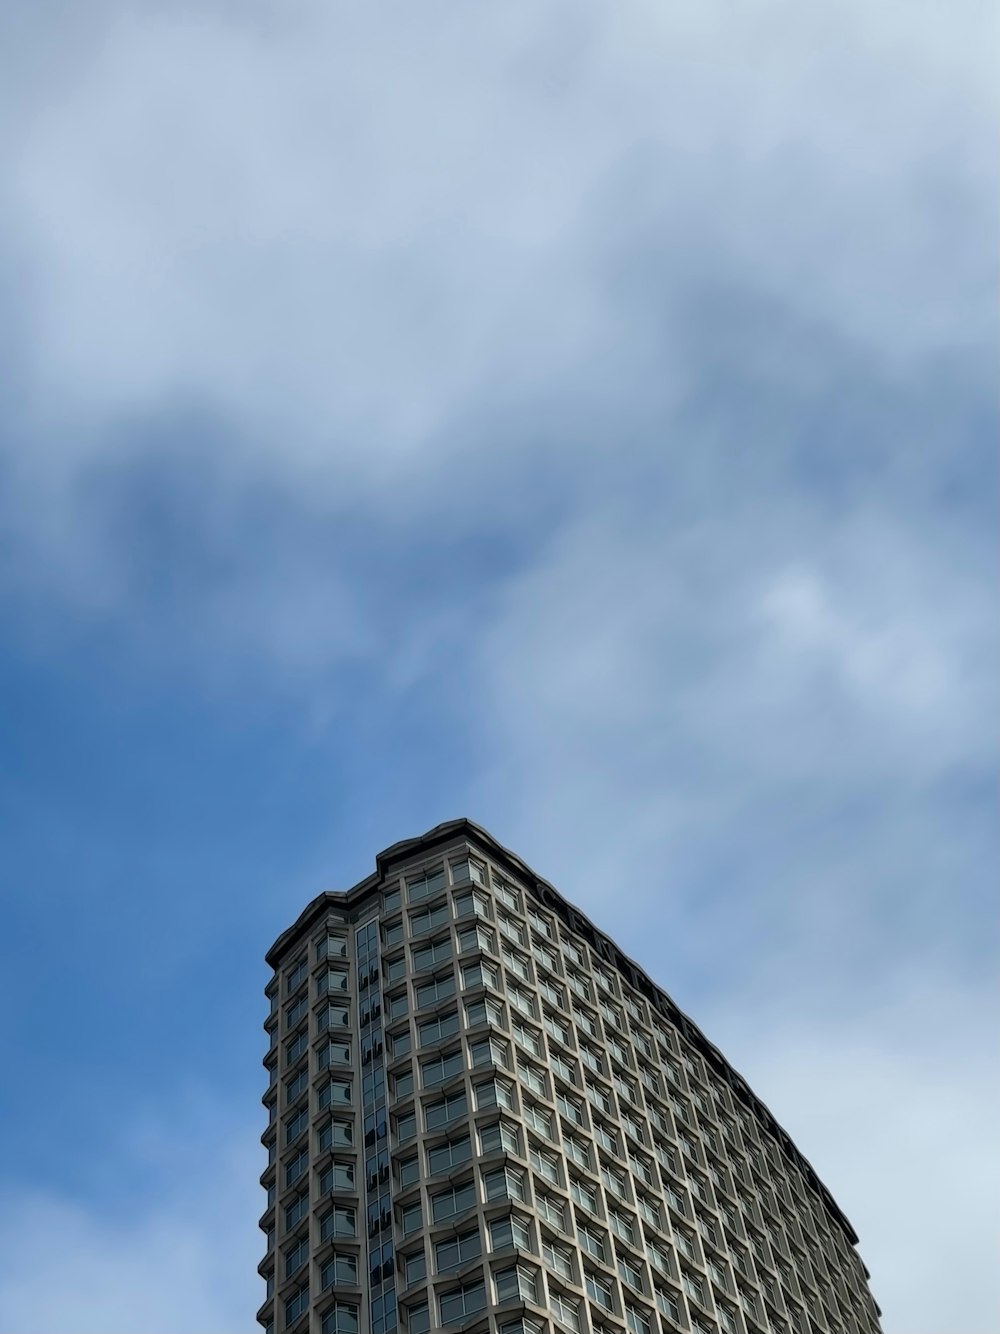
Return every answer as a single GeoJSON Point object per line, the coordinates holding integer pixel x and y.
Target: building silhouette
{"type": "Point", "coordinates": [482, 1117]}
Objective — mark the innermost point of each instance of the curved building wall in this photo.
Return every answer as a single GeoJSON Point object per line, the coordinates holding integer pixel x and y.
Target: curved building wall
{"type": "Point", "coordinates": [483, 1117]}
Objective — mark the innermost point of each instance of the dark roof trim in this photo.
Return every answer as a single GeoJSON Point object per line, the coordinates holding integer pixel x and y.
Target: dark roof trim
{"type": "Point", "coordinates": [602, 944]}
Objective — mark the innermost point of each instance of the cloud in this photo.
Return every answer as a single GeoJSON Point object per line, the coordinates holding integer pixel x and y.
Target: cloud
{"type": "Point", "coordinates": [896, 1108]}
{"type": "Point", "coordinates": [180, 1259]}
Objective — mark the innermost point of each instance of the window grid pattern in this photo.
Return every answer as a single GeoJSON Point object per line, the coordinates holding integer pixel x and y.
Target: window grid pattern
{"type": "Point", "coordinates": [691, 1214]}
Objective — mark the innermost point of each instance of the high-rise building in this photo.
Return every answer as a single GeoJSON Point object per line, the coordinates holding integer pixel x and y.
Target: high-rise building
{"type": "Point", "coordinates": [483, 1117]}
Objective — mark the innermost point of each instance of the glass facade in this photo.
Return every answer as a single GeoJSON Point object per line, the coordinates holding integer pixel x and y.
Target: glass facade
{"type": "Point", "coordinates": [481, 1117]}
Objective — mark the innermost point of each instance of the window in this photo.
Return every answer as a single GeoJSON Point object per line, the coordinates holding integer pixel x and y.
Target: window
{"type": "Point", "coordinates": [426, 919]}
{"type": "Point", "coordinates": [539, 1118]}
{"type": "Point", "coordinates": [463, 1302]}
{"type": "Point", "coordinates": [334, 979]}
{"type": "Point", "coordinates": [472, 904]}
{"type": "Point", "coordinates": [447, 1203]}
{"type": "Point", "coordinates": [604, 978]}
{"type": "Point", "coordinates": [468, 869]}
{"type": "Point", "coordinates": [562, 1068]}
{"type": "Point", "coordinates": [650, 1210]}
{"type": "Point", "coordinates": [551, 1209]}
{"type": "Point", "coordinates": [512, 930]}
{"type": "Point", "coordinates": [622, 1225]}
{"type": "Point", "coordinates": [335, 1092]}
{"type": "Point", "coordinates": [684, 1242]}
{"type": "Point", "coordinates": [334, 1053]}
{"type": "Point", "coordinates": [552, 993]}
{"type": "Point", "coordinates": [434, 1030]}
{"type": "Point", "coordinates": [555, 1027]}
{"type": "Point", "coordinates": [506, 894]}
{"type": "Point", "coordinates": [641, 1169]}
{"type": "Point", "coordinates": [333, 947]}
{"type": "Point", "coordinates": [606, 1138]}
{"type": "Point", "coordinates": [335, 1016]}
{"type": "Point", "coordinates": [570, 1108]}
{"type": "Point", "coordinates": [400, 1044]}
{"type": "Point", "coordinates": [480, 974]}
{"type": "Point", "coordinates": [296, 1010]}
{"type": "Point", "coordinates": [668, 1303]}
{"type": "Point", "coordinates": [577, 1150]}
{"type": "Point", "coordinates": [505, 1184]}
{"type": "Point", "coordinates": [340, 1221]}
{"type": "Point", "coordinates": [414, 1267]}
{"type": "Point", "coordinates": [509, 1233]}
{"type": "Point", "coordinates": [438, 989]}
{"type": "Point", "coordinates": [341, 1319]}
{"type": "Point", "coordinates": [544, 1164]}
{"type": "Point", "coordinates": [598, 1290]}
{"type": "Point", "coordinates": [439, 1114]}
{"type": "Point", "coordinates": [522, 1000]}
{"type": "Point", "coordinates": [583, 1194]}
{"type": "Point", "coordinates": [485, 1011]}
{"type": "Point", "coordinates": [297, 1303]}
{"type": "Point", "coordinates": [558, 1260]}
{"type": "Point", "coordinates": [629, 1272]}
{"type": "Point", "coordinates": [297, 1209]}
{"type": "Point", "coordinates": [585, 1020]}
{"type": "Point", "coordinates": [591, 1058]}
{"type": "Point", "coordinates": [544, 955]}
{"type": "Point", "coordinates": [565, 1310]}
{"type": "Point", "coordinates": [405, 1126]}
{"type": "Point", "coordinates": [517, 1282]}
{"type": "Point", "coordinates": [491, 1051]}
{"type": "Point", "coordinates": [532, 1077]}
{"type": "Point", "coordinates": [296, 1045]}
{"type": "Point", "coordinates": [526, 1038]}
{"type": "Point", "coordinates": [614, 1181]}
{"type": "Point", "coordinates": [339, 1270]}
{"type": "Point", "coordinates": [418, 1318]}
{"type": "Point", "coordinates": [517, 964]}
{"type": "Point", "coordinates": [392, 933]}
{"type": "Point", "coordinates": [579, 984]}
{"type": "Point", "coordinates": [539, 923]}
{"type": "Point", "coordinates": [336, 1176]}
{"type": "Point", "coordinates": [452, 1153]}
{"type": "Point", "coordinates": [296, 1256]}
{"type": "Point", "coordinates": [456, 1251]}
{"type": "Point", "coordinates": [626, 1089]}
{"type": "Point", "coordinates": [500, 1136]}
{"type": "Point", "coordinates": [476, 938]}
{"type": "Point", "coordinates": [727, 1318]}
{"type": "Point", "coordinates": [573, 952]}
{"type": "Point", "coordinates": [296, 973]}
{"type": "Point", "coordinates": [494, 1093]}
{"type": "Point", "coordinates": [428, 955]}
{"type": "Point", "coordinates": [411, 1218]}
{"type": "Point", "coordinates": [396, 1006]}
{"type": "Point", "coordinates": [592, 1242]}
{"type": "Point", "coordinates": [599, 1097]}
{"type": "Point", "coordinates": [694, 1287]}
{"type": "Point", "coordinates": [295, 1124]}
{"type": "Point", "coordinates": [423, 886]}
{"type": "Point", "coordinates": [296, 1166]}
{"type": "Point", "coordinates": [637, 1321]}
{"type": "Point", "coordinates": [440, 1068]}
{"type": "Point", "coordinates": [408, 1171]}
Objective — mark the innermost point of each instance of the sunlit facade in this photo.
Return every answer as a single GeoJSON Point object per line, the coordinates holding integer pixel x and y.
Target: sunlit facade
{"type": "Point", "coordinates": [482, 1117]}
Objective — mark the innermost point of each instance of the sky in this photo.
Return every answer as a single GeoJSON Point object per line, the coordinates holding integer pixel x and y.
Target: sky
{"type": "Point", "coordinates": [573, 416]}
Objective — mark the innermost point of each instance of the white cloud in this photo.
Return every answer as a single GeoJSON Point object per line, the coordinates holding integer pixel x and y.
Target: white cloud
{"type": "Point", "coordinates": [179, 1260]}
{"type": "Point", "coordinates": [346, 229]}
{"type": "Point", "coordinates": [896, 1108]}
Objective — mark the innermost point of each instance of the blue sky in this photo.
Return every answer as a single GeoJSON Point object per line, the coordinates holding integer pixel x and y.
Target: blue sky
{"type": "Point", "coordinates": [577, 417]}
